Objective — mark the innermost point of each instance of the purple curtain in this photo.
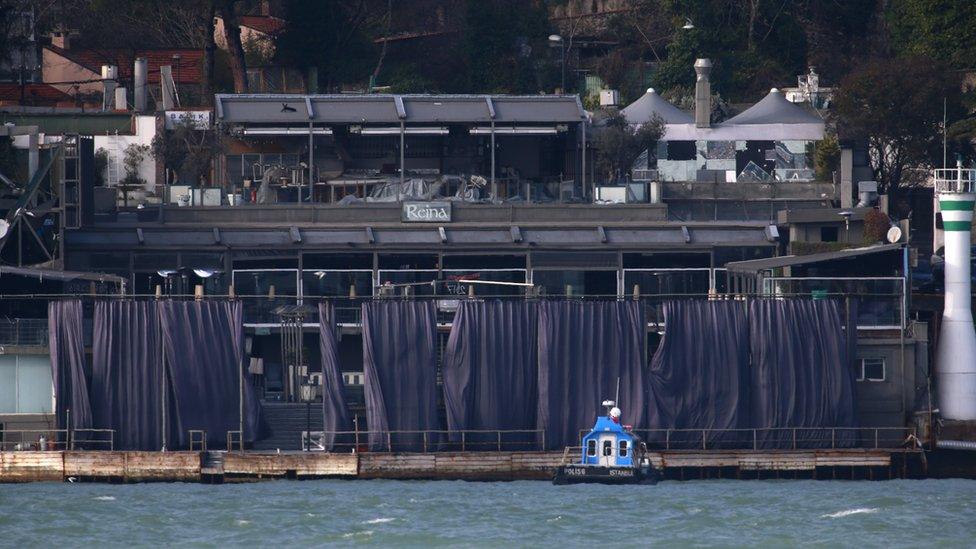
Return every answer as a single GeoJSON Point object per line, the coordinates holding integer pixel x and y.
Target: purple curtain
{"type": "Point", "coordinates": [699, 375]}
{"type": "Point", "coordinates": [204, 346]}
{"type": "Point", "coordinates": [801, 371]}
{"type": "Point", "coordinates": [400, 367]}
{"type": "Point", "coordinates": [584, 348]}
{"type": "Point", "coordinates": [490, 371]}
{"type": "Point", "coordinates": [127, 374]}
{"type": "Point", "coordinates": [335, 413]}
{"type": "Point", "coordinates": [67, 346]}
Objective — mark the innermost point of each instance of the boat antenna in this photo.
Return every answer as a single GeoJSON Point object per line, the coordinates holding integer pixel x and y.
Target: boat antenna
{"type": "Point", "coordinates": [616, 397]}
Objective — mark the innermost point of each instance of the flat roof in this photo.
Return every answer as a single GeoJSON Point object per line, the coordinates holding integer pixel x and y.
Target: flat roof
{"type": "Point", "coordinates": [756, 265]}
{"type": "Point", "coordinates": [389, 109]}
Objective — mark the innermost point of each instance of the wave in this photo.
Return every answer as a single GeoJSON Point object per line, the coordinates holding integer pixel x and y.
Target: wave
{"type": "Point", "coordinates": [105, 498]}
{"type": "Point", "coordinates": [378, 521]}
{"type": "Point", "coordinates": [849, 512]}
{"type": "Point", "coordinates": [365, 533]}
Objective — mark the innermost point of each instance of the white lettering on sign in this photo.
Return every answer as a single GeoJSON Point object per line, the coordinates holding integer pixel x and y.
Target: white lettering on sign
{"type": "Point", "coordinates": [427, 212]}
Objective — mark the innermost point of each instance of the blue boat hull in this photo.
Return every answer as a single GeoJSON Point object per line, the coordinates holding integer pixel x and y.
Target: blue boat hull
{"type": "Point", "coordinates": [594, 474]}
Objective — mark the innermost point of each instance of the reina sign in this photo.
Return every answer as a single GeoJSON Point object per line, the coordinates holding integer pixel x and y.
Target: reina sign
{"type": "Point", "coordinates": [426, 212]}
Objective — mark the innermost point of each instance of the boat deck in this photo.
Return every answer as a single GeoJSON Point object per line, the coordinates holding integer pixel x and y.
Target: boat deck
{"type": "Point", "coordinates": [216, 467]}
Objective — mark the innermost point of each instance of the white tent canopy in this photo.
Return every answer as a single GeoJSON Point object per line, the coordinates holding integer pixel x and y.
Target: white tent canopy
{"type": "Point", "coordinates": [650, 104]}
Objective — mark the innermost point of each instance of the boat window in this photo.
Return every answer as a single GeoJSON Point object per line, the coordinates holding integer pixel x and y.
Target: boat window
{"type": "Point", "coordinates": [623, 448]}
{"type": "Point", "coordinates": [591, 447]}
{"type": "Point", "coordinates": [607, 448]}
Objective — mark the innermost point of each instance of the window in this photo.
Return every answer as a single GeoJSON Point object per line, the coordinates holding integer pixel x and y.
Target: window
{"type": "Point", "coordinates": [623, 449]}
{"type": "Point", "coordinates": [591, 447]}
{"type": "Point", "coordinates": [871, 369]}
{"type": "Point", "coordinates": [607, 447]}
{"type": "Point", "coordinates": [828, 234]}
{"type": "Point", "coordinates": [25, 385]}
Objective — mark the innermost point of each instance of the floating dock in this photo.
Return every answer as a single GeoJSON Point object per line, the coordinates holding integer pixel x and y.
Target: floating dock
{"type": "Point", "coordinates": [219, 466]}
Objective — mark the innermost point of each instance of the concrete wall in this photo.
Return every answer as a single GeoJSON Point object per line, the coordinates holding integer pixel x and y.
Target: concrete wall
{"type": "Point", "coordinates": [892, 402]}
{"type": "Point", "coordinates": [145, 131]}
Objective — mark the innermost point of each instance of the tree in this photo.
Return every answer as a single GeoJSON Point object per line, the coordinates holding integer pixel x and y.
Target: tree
{"type": "Point", "coordinates": [895, 105]}
{"type": "Point", "coordinates": [334, 36]}
{"type": "Point", "coordinates": [187, 150]}
{"type": "Point", "coordinates": [230, 12]}
{"type": "Point", "coordinates": [941, 29]}
{"type": "Point", "coordinates": [500, 41]}
{"type": "Point", "coordinates": [619, 143]}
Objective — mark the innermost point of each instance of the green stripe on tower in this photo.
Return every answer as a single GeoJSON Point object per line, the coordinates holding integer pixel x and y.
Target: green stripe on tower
{"type": "Point", "coordinates": [957, 225]}
{"type": "Point", "coordinates": [956, 205]}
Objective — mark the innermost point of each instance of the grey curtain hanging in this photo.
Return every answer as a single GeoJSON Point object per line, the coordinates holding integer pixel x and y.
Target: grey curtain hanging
{"type": "Point", "coordinates": [584, 347]}
{"type": "Point", "coordinates": [400, 367]}
{"type": "Point", "coordinates": [801, 374]}
{"type": "Point", "coordinates": [67, 348]}
{"type": "Point", "coordinates": [204, 345]}
{"type": "Point", "coordinates": [490, 373]}
{"type": "Point", "coordinates": [699, 375]}
{"type": "Point", "coordinates": [335, 413]}
{"type": "Point", "coordinates": [127, 374]}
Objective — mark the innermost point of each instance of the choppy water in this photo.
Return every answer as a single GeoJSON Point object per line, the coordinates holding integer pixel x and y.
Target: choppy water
{"type": "Point", "coordinates": [515, 514]}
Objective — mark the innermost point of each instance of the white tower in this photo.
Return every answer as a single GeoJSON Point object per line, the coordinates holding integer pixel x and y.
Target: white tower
{"type": "Point", "coordinates": [956, 358]}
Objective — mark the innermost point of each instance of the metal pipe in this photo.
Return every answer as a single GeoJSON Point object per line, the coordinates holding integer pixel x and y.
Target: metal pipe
{"type": "Point", "coordinates": [956, 444]}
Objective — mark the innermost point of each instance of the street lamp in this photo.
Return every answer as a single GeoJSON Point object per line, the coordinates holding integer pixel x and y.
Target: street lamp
{"type": "Point", "coordinates": [556, 39]}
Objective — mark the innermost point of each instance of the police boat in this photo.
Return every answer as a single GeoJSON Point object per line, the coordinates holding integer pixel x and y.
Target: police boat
{"type": "Point", "coordinates": [611, 454]}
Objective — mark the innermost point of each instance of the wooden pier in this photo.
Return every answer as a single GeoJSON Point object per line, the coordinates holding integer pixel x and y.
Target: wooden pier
{"type": "Point", "coordinates": [217, 467]}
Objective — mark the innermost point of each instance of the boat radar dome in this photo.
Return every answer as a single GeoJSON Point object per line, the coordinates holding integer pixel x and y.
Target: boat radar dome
{"type": "Point", "coordinates": [615, 413]}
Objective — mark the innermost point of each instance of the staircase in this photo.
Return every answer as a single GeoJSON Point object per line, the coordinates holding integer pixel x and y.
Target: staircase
{"type": "Point", "coordinates": [284, 423]}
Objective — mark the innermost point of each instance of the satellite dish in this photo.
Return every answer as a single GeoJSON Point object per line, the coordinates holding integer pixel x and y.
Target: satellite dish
{"type": "Point", "coordinates": [894, 234]}
{"type": "Point", "coordinates": [4, 227]}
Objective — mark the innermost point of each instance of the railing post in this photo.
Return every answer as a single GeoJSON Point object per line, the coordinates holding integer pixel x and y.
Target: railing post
{"type": "Point", "coordinates": [794, 438]}
{"type": "Point", "coordinates": [876, 437]}
{"type": "Point", "coordinates": [425, 442]}
{"type": "Point", "coordinates": [389, 442]}
{"type": "Point", "coordinates": [667, 439]}
{"type": "Point", "coordinates": [833, 438]}
{"type": "Point", "coordinates": [703, 439]}
{"type": "Point", "coordinates": [543, 441]}
{"type": "Point", "coordinates": [462, 441]}
{"type": "Point", "coordinates": [499, 433]}
{"type": "Point", "coordinates": [755, 440]}
{"type": "Point", "coordinates": [67, 426]}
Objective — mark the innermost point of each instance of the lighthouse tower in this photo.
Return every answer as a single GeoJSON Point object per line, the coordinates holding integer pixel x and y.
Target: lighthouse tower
{"type": "Point", "coordinates": [956, 354]}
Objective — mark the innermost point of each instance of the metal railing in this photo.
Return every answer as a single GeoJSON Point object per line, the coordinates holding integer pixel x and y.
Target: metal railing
{"type": "Point", "coordinates": [779, 438]}
{"type": "Point", "coordinates": [955, 180]}
{"type": "Point", "coordinates": [56, 439]}
{"type": "Point", "coordinates": [435, 440]}
{"type": "Point", "coordinates": [23, 331]}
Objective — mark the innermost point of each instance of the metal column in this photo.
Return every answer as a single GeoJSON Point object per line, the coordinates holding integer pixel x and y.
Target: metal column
{"type": "Point", "coordinates": [403, 166]}
{"type": "Point", "coordinates": [311, 164]}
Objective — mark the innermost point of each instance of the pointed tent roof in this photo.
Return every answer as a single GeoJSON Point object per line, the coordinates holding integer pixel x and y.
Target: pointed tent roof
{"type": "Point", "coordinates": [651, 103]}
{"type": "Point", "coordinates": [774, 109]}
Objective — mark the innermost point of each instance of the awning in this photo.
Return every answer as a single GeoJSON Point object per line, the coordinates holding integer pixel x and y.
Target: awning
{"type": "Point", "coordinates": [756, 265]}
{"type": "Point", "coordinates": [52, 274]}
{"type": "Point", "coordinates": [385, 109]}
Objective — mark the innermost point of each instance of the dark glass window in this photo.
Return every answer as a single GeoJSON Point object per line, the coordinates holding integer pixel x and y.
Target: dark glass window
{"type": "Point", "coordinates": [828, 234]}
{"type": "Point", "coordinates": [607, 448]}
{"type": "Point", "coordinates": [623, 448]}
{"type": "Point", "coordinates": [591, 447]}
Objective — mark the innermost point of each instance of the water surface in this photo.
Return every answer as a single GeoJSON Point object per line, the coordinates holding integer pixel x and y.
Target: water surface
{"type": "Point", "coordinates": [900, 513]}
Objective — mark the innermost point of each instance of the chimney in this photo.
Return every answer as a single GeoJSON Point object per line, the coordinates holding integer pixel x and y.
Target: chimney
{"type": "Point", "coordinates": [61, 39]}
{"type": "Point", "coordinates": [139, 74]}
{"type": "Point", "coordinates": [703, 94]}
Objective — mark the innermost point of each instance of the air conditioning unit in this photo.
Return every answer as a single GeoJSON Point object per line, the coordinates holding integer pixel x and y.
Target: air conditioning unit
{"type": "Point", "coordinates": [609, 98]}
